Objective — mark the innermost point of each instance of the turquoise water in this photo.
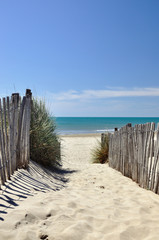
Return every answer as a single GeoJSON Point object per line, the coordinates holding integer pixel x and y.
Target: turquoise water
{"type": "Point", "coordinates": [75, 125]}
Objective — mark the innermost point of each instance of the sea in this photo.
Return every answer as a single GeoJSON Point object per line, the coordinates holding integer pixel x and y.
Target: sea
{"type": "Point", "coordinates": [83, 125]}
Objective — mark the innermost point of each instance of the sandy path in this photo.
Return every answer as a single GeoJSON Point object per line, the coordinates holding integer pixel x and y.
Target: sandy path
{"type": "Point", "coordinates": [98, 203]}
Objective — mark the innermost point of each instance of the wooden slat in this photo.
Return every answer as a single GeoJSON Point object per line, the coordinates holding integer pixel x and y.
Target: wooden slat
{"type": "Point", "coordinates": [154, 182]}
{"type": "Point", "coordinates": [2, 144]}
{"type": "Point", "coordinates": [14, 130]}
{"type": "Point", "coordinates": [121, 151]}
{"type": "Point", "coordinates": [2, 176]}
{"type": "Point", "coordinates": [154, 165]}
{"type": "Point", "coordinates": [151, 156]}
{"type": "Point", "coordinates": [13, 167]}
{"type": "Point", "coordinates": [130, 150]}
{"type": "Point", "coordinates": [135, 152]}
{"type": "Point", "coordinates": [125, 150]}
{"type": "Point", "coordinates": [22, 135]}
{"type": "Point", "coordinates": [144, 142]}
{"type": "Point", "coordinates": [8, 135]}
{"type": "Point", "coordinates": [6, 139]}
{"type": "Point", "coordinates": [19, 159]}
{"type": "Point", "coordinates": [147, 156]}
{"type": "Point", "coordinates": [27, 154]}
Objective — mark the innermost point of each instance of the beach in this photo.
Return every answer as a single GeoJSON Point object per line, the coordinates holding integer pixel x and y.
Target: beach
{"type": "Point", "coordinates": [83, 201]}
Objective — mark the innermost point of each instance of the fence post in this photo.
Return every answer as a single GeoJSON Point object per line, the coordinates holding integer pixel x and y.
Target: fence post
{"type": "Point", "coordinates": [14, 129]}
{"type": "Point", "coordinates": [6, 142]}
{"type": "Point", "coordinates": [154, 178]}
{"type": "Point", "coordinates": [102, 138]}
{"type": "Point", "coordinates": [9, 142]}
{"type": "Point", "coordinates": [2, 144]}
{"type": "Point", "coordinates": [28, 118]}
{"type": "Point", "coordinates": [24, 135]}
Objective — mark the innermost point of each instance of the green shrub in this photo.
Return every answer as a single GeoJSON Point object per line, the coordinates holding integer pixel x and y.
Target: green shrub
{"type": "Point", "coordinates": [100, 153]}
{"type": "Point", "coordinates": [44, 143]}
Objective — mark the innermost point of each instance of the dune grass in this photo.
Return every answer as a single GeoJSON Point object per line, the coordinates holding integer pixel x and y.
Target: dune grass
{"type": "Point", "coordinates": [100, 153]}
{"type": "Point", "coordinates": [44, 142]}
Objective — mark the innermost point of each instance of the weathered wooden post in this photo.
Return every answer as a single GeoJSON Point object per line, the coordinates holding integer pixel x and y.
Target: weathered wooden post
{"type": "Point", "coordinates": [23, 146]}
{"type": "Point", "coordinates": [8, 136]}
{"type": "Point", "coordinates": [129, 125]}
{"type": "Point", "coordinates": [2, 144]}
{"type": "Point", "coordinates": [6, 139]}
{"type": "Point", "coordinates": [102, 138]}
{"type": "Point", "coordinates": [28, 118]}
{"type": "Point", "coordinates": [14, 129]}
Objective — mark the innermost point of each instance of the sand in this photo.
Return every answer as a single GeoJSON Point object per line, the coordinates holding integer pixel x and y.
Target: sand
{"type": "Point", "coordinates": [84, 201]}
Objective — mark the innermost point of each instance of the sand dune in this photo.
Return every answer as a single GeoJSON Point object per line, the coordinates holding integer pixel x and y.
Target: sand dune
{"type": "Point", "coordinates": [86, 201]}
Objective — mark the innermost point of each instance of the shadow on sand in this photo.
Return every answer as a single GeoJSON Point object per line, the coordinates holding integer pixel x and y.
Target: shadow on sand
{"type": "Point", "coordinates": [26, 183]}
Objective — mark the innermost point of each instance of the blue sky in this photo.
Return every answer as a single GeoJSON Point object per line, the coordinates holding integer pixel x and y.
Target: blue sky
{"type": "Point", "coordinates": [85, 57]}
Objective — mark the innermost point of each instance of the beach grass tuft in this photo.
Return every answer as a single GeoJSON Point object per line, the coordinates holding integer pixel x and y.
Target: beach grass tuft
{"type": "Point", "coordinates": [101, 151]}
{"type": "Point", "coordinates": [44, 142]}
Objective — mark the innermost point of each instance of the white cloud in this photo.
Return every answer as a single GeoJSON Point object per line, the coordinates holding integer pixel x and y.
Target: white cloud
{"type": "Point", "coordinates": [109, 102]}
{"type": "Point", "coordinates": [106, 108]}
{"type": "Point", "coordinates": [103, 94]}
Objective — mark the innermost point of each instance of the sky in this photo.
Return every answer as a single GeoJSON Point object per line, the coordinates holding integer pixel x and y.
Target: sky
{"type": "Point", "coordinates": [84, 57]}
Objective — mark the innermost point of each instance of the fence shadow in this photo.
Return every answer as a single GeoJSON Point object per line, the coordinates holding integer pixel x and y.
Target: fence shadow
{"type": "Point", "coordinates": [25, 183]}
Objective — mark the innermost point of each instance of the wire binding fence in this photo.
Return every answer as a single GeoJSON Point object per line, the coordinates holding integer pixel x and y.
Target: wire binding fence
{"type": "Point", "coordinates": [134, 151]}
{"type": "Point", "coordinates": [15, 114]}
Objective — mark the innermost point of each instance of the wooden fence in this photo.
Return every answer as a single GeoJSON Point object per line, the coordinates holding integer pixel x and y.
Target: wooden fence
{"type": "Point", "coordinates": [14, 134]}
{"type": "Point", "coordinates": [134, 151]}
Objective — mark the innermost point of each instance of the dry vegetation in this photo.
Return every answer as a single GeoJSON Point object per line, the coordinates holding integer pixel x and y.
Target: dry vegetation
{"type": "Point", "coordinates": [100, 153]}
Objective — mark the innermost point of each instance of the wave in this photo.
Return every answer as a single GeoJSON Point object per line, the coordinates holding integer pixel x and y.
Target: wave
{"type": "Point", "coordinates": [70, 132]}
{"type": "Point", "coordinates": [105, 130]}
